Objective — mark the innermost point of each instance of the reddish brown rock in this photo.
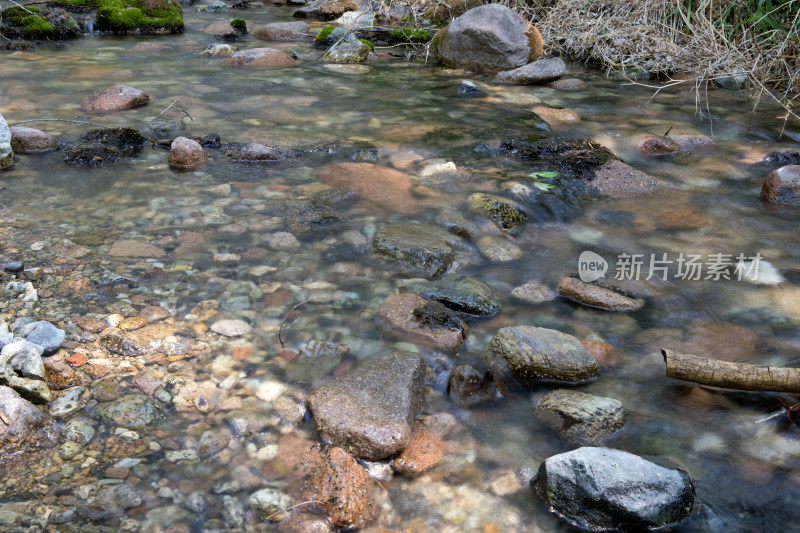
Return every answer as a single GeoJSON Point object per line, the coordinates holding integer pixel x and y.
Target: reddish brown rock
{"type": "Point", "coordinates": [607, 356]}
{"type": "Point", "coordinates": [283, 31]}
{"type": "Point", "coordinates": [260, 58]}
{"type": "Point", "coordinates": [186, 154]}
{"type": "Point", "coordinates": [305, 521]}
{"type": "Point", "coordinates": [134, 248]}
{"type": "Point", "coordinates": [77, 359]}
{"type": "Point", "coordinates": [344, 488]}
{"type": "Point", "coordinates": [115, 98]}
{"type": "Point", "coordinates": [424, 451]}
{"type": "Point", "coordinates": [595, 295]}
{"type": "Point", "coordinates": [681, 219]}
{"type": "Point", "coordinates": [191, 243]}
{"type": "Point", "coordinates": [782, 186]}
{"type": "Point", "coordinates": [383, 187]}
{"type": "Point", "coordinates": [404, 160]}
{"type": "Point", "coordinates": [556, 116]}
{"type": "Point", "coordinates": [398, 312]}
{"type": "Point", "coordinates": [721, 340]}
{"type": "Point", "coordinates": [222, 30]}
{"type": "Point", "coordinates": [91, 325]}
{"type": "Point", "coordinates": [653, 145]}
{"type": "Point", "coordinates": [132, 323]}
{"type": "Point", "coordinates": [150, 46]}
{"type": "Point", "coordinates": [31, 141]}
{"type": "Point", "coordinates": [59, 374]}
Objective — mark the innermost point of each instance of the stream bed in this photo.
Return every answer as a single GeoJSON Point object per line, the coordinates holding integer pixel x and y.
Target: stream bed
{"type": "Point", "coordinates": [244, 242]}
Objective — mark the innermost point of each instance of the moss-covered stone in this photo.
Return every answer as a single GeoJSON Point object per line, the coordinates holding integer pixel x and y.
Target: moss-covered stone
{"type": "Point", "coordinates": [131, 16]}
{"type": "Point", "coordinates": [410, 34]}
{"type": "Point", "coordinates": [325, 32]}
{"type": "Point", "coordinates": [100, 148]}
{"type": "Point", "coordinates": [239, 25]}
{"type": "Point", "coordinates": [32, 22]}
{"type": "Point", "coordinates": [368, 43]}
{"type": "Point", "coordinates": [506, 213]}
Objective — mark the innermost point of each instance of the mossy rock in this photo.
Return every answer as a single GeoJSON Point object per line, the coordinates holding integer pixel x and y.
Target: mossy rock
{"type": "Point", "coordinates": [325, 32]}
{"type": "Point", "coordinates": [410, 35]}
{"type": "Point", "coordinates": [103, 147]}
{"type": "Point", "coordinates": [506, 213]}
{"type": "Point", "coordinates": [131, 16]}
{"type": "Point", "coordinates": [239, 25]}
{"type": "Point", "coordinates": [32, 22]}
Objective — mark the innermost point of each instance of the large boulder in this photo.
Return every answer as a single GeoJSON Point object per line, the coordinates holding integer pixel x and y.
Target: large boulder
{"type": "Point", "coordinates": [488, 38]}
{"type": "Point", "coordinates": [24, 427]}
{"type": "Point", "coordinates": [370, 411]}
{"type": "Point", "coordinates": [528, 356]}
{"type": "Point", "coordinates": [418, 246]}
{"type": "Point", "coordinates": [6, 154]}
{"type": "Point", "coordinates": [540, 71]}
{"type": "Point", "coordinates": [782, 186]}
{"type": "Point", "coordinates": [601, 488]}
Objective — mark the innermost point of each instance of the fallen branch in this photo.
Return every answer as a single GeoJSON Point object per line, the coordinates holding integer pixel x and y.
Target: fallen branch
{"type": "Point", "coordinates": [739, 376]}
{"type": "Point", "coordinates": [57, 120]}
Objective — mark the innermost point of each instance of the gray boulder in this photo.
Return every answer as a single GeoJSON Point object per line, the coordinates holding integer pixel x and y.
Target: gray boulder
{"type": "Point", "coordinates": [6, 155]}
{"type": "Point", "coordinates": [24, 426]}
{"type": "Point", "coordinates": [419, 246]}
{"type": "Point", "coordinates": [370, 411]}
{"type": "Point", "coordinates": [527, 356]}
{"type": "Point", "coordinates": [601, 488]}
{"type": "Point", "coordinates": [541, 71]}
{"type": "Point", "coordinates": [489, 38]}
{"type": "Point", "coordinates": [581, 417]}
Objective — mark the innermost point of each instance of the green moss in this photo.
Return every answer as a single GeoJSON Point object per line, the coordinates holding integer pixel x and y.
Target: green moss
{"type": "Point", "coordinates": [408, 34]}
{"type": "Point", "coordinates": [368, 43]}
{"type": "Point", "coordinates": [239, 24]}
{"type": "Point", "coordinates": [126, 16]}
{"type": "Point", "coordinates": [29, 21]}
{"type": "Point", "coordinates": [325, 32]}
{"type": "Point", "coordinates": [435, 41]}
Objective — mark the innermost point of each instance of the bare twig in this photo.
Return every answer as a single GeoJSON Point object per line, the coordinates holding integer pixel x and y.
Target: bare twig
{"type": "Point", "coordinates": [4, 419]}
{"type": "Point", "coordinates": [57, 120]}
{"type": "Point", "coordinates": [286, 317]}
{"type": "Point", "coordinates": [297, 505]}
{"type": "Point", "coordinates": [173, 106]}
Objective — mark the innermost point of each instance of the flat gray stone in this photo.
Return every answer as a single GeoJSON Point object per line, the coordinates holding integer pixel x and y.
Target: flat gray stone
{"type": "Point", "coordinates": [542, 71]}
{"type": "Point", "coordinates": [370, 411]}
{"type": "Point", "coordinates": [580, 417]}
{"type": "Point", "coordinates": [419, 246]}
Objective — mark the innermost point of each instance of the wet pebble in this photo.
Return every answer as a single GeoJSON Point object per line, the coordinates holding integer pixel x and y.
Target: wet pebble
{"type": "Point", "coordinates": [231, 327]}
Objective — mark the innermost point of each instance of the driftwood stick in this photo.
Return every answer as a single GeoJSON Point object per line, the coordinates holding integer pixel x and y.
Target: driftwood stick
{"type": "Point", "coordinates": [739, 376]}
{"type": "Point", "coordinates": [58, 120]}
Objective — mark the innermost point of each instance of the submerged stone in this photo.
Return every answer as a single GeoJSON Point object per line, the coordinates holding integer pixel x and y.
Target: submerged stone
{"type": "Point", "coordinates": [581, 417]}
{"type": "Point", "coordinates": [419, 246]}
{"type": "Point", "coordinates": [506, 213]}
{"type": "Point", "coordinates": [431, 320]}
{"type": "Point", "coordinates": [601, 489]}
{"type": "Point", "coordinates": [370, 411]}
{"type": "Point", "coordinates": [527, 356]}
{"type": "Point", "coordinates": [461, 293]}
{"type": "Point", "coordinates": [103, 147]}
{"type": "Point", "coordinates": [596, 295]}
{"type": "Point", "coordinates": [540, 71]}
{"type": "Point", "coordinates": [31, 141]}
{"type": "Point", "coordinates": [131, 411]}
{"type": "Point", "coordinates": [467, 386]}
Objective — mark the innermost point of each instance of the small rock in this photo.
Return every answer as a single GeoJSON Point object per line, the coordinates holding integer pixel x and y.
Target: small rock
{"type": "Point", "coordinates": [415, 245]}
{"type": "Point", "coordinates": [134, 248]}
{"type": "Point", "coordinates": [461, 293]}
{"type": "Point", "coordinates": [413, 314]}
{"type": "Point", "coordinates": [283, 241]}
{"type": "Point", "coordinates": [569, 84]}
{"type": "Point", "coordinates": [69, 402]}
{"type": "Point", "coordinates": [154, 313]}
{"type": "Point", "coordinates": [132, 323]}
{"type": "Point", "coordinates": [283, 31]}
{"type": "Point", "coordinates": [541, 71]}
{"type": "Point", "coordinates": [306, 522]}
{"type": "Point", "coordinates": [654, 145]}
{"type": "Point", "coordinates": [370, 411]}
{"type": "Point", "coordinates": [507, 214]}
{"type": "Point", "coordinates": [231, 327]}
{"type": "Point", "coordinates": [131, 411]}
{"type": "Point", "coordinates": [269, 503]}
{"type": "Point", "coordinates": [116, 341]}
{"type": "Point", "coordinates": [30, 140]}
{"type": "Point", "coordinates": [115, 98]}
{"type": "Point", "coordinates": [47, 336]}
{"type": "Point", "coordinates": [343, 487]}
{"type": "Point", "coordinates": [424, 451]}
{"type": "Point", "coordinates": [219, 50]}
{"type": "Point", "coordinates": [601, 488]}
{"type": "Point", "coordinates": [385, 188]}
{"type": "Point", "coordinates": [555, 117]}
{"type": "Point", "coordinates": [348, 52]}
{"type": "Point", "coordinates": [782, 186]}
{"type": "Point", "coordinates": [580, 417]}
{"type": "Point", "coordinates": [326, 9]}
{"type": "Point", "coordinates": [606, 355]}
{"type": "Point", "coordinates": [59, 374]}
{"type": "Point", "coordinates": [25, 358]}
{"type": "Point", "coordinates": [467, 386]}
{"type": "Point", "coordinates": [498, 249]}
{"type": "Point", "coordinates": [530, 356]}
{"type": "Point", "coordinates": [260, 58]}
{"type": "Point", "coordinates": [117, 497]}
{"type": "Point", "coordinates": [595, 295]}
{"type": "Point", "coordinates": [186, 154]}
{"type": "Point", "coordinates": [468, 89]}
{"type": "Point", "coordinates": [534, 292]}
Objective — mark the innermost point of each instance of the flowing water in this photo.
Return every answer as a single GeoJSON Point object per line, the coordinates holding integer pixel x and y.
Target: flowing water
{"type": "Point", "coordinates": [745, 472]}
